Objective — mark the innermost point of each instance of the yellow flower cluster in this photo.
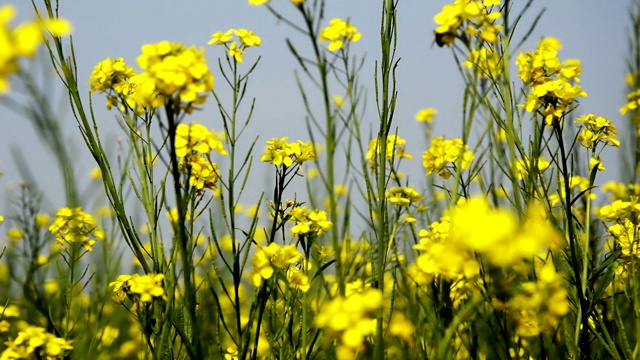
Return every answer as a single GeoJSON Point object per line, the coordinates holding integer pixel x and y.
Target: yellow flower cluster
{"type": "Point", "coordinates": [23, 40]}
{"type": "Point", "coordinates": [142, 288]}
{"type": "Point", "coordinates": [112, 77]}
{"type": "Point", "coordinates": [172, 73]}
{"type": "Point", "coordinates": [309, 223]}
{"type": "Point", "coordinates": [402, 195]}
{"type": "Point", "coordinates": [236, 49]}
{"type": "Point", "coordinates": [280, 152]}
{"type": "Point", "coordinates": [553, 84]}
{"type": "Point", "coordinates": [426, 115]}
{"type": "Point", "coordinates": [633, 101]}
{"type": "Point", "coordinates": [395, 146]}
{"type": "Point", "coordinates": [539, 305]}
{"type": "Point", "coordinates": [595, 130]}
{"type": "Point", "coordinates": [472, 16]}
{"type": "Point", "coordinates": [473, 226]}
{"type": "Point", "coordinates": [202, 172]}
{"type": "Point", "coordinates": [443, 156]}
{"type": "Point", "coordinates": [34, 342]}
{"type": "Point", "coordinates": [351, 320]}
{"type": "Point", "coordinates": [339, 33]}
{"type": "Point", "coordinates": [193, 143]}
{"type": "Point", "coordinates": [486, 63]}
{"type": "Point", "coordinates": [273, 256]}
{"type": "Point", "coordinates": [72, 226]}
{"type": "Point", "coordinates": [440, 257]}
{"type": "Point", "coordinates": [175, 72]}
{"type": "Point", "coordinates": [196, 138]}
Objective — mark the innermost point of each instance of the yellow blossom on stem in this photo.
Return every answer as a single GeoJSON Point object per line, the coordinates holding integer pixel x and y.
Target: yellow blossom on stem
{"type": "Point", "coordinates": [72, 225]}
{"type": "Point", "coordinates": [281, 152]}
{"type": "Point", "coordinates": [23, 40]}
{"type": "Point", "coordinates": [395, 147]}
{"type": "Point", "coordinates": [443, 156]}
{"type": "Point", "coordinates": [402, 196]}
{"type": "Point", "coordinates": [273, 256]}
{"type": "Point", "coordinates": [467, 17]}
{"type": "Point", "coordinates": [426, 115]}
{"type": "Point", "coordinates": [339, 33]}
{"type": "Point", "coordinates": [33, 342]}
{"type": "Point", "coordinates": [350, 320]}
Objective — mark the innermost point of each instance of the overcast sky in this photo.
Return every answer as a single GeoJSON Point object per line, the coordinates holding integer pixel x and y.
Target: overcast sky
{"type": "Point", "coordinates": [427, 77]}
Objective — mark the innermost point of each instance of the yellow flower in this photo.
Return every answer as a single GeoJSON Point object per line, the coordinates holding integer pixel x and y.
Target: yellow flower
{"type": "Point", "coordinates": [338, 33]}
{"type": "Point", "coordinates": [147, 286]}
{"type": "Point", "coordinates": [444, 155]}
{"type": "Point", "coordinates": [15, 234]}
{"type": "Point", "coordinates": [402, 196]}
{"type": "Point", "coordinates": [236, 52]}
{"type": "Point", "coordinates": [72, 225]}
{"type": "Point", "coordinates": [426, 115]}
{"type": "Point", "coordinates": [220, 37]}
{"type": "Point", "coordinates": [247, 37]}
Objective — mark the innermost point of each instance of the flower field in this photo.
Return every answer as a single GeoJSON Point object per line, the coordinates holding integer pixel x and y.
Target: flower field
{"type": "Point", "coordinates": [200, 239]}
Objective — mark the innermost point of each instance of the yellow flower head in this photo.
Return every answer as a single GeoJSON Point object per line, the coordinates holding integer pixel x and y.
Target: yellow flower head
{"type": "Point", "coordinates": [339, 33]}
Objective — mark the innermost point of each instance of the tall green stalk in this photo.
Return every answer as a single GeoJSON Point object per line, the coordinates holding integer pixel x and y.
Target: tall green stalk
{"type": "Point", "coordinates": [386, 99]}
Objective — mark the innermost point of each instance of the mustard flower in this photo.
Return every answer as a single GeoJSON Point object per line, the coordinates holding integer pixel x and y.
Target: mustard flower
{"type": "Point", "coordinates": [110, 74]}
{"type": "Point", "coordinates": [618, 210]}
{"type": "Point", "coordinates": [633, 102]}
{"type": "Point", "coordinates": [624, 232]}
{"type": "Point", "coordinates": [147, 286]}
{"type": "Point", "coordinates": [23, 40]}
{"type": "Point", "coordinates": [72, 225]}
{"type": "Point", "coordinates": [539, 305]}
{"type": "Point", "coordinates": [439, 256]}
{"type": "Point", "coordinates": [247, 37]}
{"type": "Point", "coordinates": [471, 15]}
{"type": "Point", "coordinates": [196, 138]}
{"type": "Point", "coordinates": [273, 256]}
{"type": "Point", "coordinates": [297, 279]}
{"type": "Point", "coordinates": [220, 37]}
{"type": "Point", "coordinates": [120, 288]}
{"type": "Point", "coordinates": [339, 33]}
{"type": "Point", "coordinates": [309, 223]}
{"type": "Point", "coordinates": [173, 72]}
{"type": "Point", "coordinates": [596, 130]}
{"type": "Point", "coordinates": [202, 172]}
{"type": "Point", "coordinates": [426, 115]}
{"type": "Point", "coordinates": [236, 50]}
{"type": "Point", "coordinates": [281, 152]}
{"type": "Point", "coordinates": [499, 233]}
{"type": "Point", "coordinates": [443, 156]}
{"type": "Point", "coordinates": [395, 147]}
{"type": "Point", "coordinates": [143, 288]}
{"type": "Point", "coordinates": [554, 87]}
{"type": "Point", "coordinates": [402, 196]}
{"type": "Point", "coordinates": [15, 234]}
{"type": "Point", "coordinates": [351, 320]}
{"type": "Point", "coordinates": [485, 62]}
{"type": "Point", "coordinates": [33, 342]}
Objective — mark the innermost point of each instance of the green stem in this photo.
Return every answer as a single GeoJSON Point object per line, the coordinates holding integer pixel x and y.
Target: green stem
{"type": "Point", "coordinates": [181, 232]}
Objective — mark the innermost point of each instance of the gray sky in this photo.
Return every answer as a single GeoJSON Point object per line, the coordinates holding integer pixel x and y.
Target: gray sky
{"type": "Point", "coordinates": [427, 77]}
